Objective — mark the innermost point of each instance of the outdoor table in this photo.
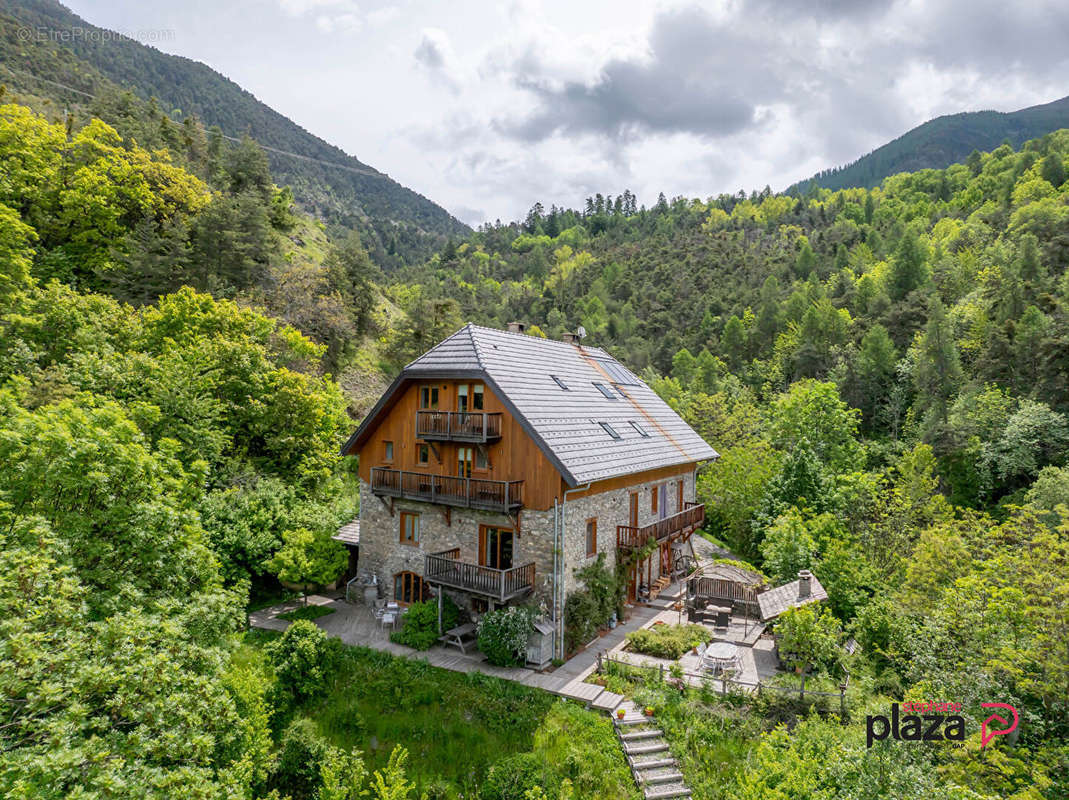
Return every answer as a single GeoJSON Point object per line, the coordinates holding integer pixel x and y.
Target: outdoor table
{"type": "Point", "coordinates": [721, 654]}
{"type": "Point", "coordinates": [460, 636]}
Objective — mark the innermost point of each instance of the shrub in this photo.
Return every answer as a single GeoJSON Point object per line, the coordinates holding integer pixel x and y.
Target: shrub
{"type": "Point", "coordinates": [512, 777]}
{"type": "Point", "coordinates": [420, 629]}
{"type": "Point", "coordinates": [301, 755]}
{"type": "Point", "coordinates": [589, 608]}
{"type": "Point", "coordinates": [302, 658]}
{"type": "Point", "coordinates": [503, 635]}
{"type": "Point", "coordinates": [580, 619]}
{"type": "Point", "coordinates": [668, 641]}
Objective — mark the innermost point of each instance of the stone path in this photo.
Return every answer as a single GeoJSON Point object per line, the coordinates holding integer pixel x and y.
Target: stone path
{"type": "Point", "coordinates": [645, 747]}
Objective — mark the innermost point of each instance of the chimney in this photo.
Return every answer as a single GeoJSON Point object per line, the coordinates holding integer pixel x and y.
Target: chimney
{"type": "Point", "coordinates": [804, 578]}
{"type": "Point", "coordinates": [517, 327]}
{"type": "Point", "coordinates": [571, 338]}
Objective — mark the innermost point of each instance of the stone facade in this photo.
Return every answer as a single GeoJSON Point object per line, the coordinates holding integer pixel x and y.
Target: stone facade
{"type": "Point", "coordinates": [383, 553]}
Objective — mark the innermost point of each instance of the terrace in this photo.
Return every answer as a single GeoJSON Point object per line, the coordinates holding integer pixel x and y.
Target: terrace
{"type": "Point", "coordinates": [501, 585]}
{"type": "Point", "coordinates": [503, 496]}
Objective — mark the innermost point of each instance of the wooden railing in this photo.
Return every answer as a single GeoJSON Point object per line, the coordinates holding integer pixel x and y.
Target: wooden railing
{"type": "Point", "coordinates": [458, 426]}
{"type": "Point", "coordinates": [692, 516]}
{"type": "Point", "coordinates": [446, 569]}
{"type": "Point", "coordinates": [448, 490]}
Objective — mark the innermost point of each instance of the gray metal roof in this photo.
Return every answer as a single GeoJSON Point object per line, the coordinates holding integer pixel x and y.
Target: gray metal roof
{"type": "Point", "coordinates": [775, 601]}
{"type": "Point", "coordinates": [349, 533]}
{"type": "Point", "coordinates": [565, 423]}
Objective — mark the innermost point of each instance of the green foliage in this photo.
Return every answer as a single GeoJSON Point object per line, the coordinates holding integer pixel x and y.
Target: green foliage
{"type": "Point", "coordinates": [420, 628]}
{"type": "Point", "coordinates": [308, 558]}
{"type": "Point", "coordinates": [811, 413]}
{"type": "Point", "coordinates": [503, 635]}
{"type": "Point", "coordinates": [302, 755]}
{"type": "Point", "coordinates": [306, 612]}
{"type": "Point", "coordinates": [302, 658]}
{"type": "Point", "coordinates": [668, 641]}
{"type": "Point", "coordinates": [808, 637]}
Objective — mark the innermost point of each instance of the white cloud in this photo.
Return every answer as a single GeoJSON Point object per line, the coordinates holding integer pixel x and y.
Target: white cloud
{"type": "Point", "coordinates": [436, 56]}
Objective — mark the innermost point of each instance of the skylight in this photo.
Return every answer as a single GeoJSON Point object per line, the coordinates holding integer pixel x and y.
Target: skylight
{"type": "Point", "coordinates": [605, 390]}
{"type": "Point", "coordinates": [618, 372]}
{"type": "Point", "coordinates": [560, 383]}
{"type": "Point", "coordinates": [639, 429]}
{"type": "Point", "coordinates": [609, 429]}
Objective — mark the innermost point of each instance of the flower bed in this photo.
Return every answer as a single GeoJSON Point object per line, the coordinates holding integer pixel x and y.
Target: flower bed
{"type": "Point", "coordinates": [668, 641]}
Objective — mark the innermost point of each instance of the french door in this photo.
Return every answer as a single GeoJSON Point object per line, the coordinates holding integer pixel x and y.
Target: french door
{"type": "Point", "coordinates": [495, 547]}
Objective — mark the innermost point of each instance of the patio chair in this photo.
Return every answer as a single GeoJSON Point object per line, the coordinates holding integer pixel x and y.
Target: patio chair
{"type": "Point", "coordinates": [388, 619]}
{"type": "Point", "coordinates": [380, 607]}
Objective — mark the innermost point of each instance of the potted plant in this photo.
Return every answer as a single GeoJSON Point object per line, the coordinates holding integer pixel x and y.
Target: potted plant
{"type": "Point", "coordinates": [620, 713]}
{"type": "Point", "coordinates": [649, 711]}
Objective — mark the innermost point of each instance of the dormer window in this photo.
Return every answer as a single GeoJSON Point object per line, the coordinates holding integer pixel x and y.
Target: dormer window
{"type": "Point", "coordinates": [605, 390]}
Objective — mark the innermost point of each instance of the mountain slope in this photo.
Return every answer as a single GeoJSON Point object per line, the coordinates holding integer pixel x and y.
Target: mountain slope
{"type": "Point", "coordinates": [401, 219]}
{"type": "Point", "coordinates": [941, 142]}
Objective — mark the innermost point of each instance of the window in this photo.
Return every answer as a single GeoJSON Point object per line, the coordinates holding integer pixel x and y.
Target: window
{"type": "Point", "coordinates": [428, 397]}
{"type": "Point", "coordinates": [495, 547]}
{"type": "Point", "coordinates": [477, 397]}
{"type": "Point", "coordinates": [409, 528]}
{"type": "Point", "coordinates": [591, 537]}
{"type": "Point", "coordinates": [639, 429]}
{"type": "Point", "coordinates": [470, 397]}
{"type": "Point", "coordinates": [481, 461]}
{"type": "Point", "coordinates": [618, 372]}
{"type": "Point", "coordinates": [388, 451]}
{"type": "Point", "coordinates": [605, 390]}
{"type": "Point", "coordinates": [464, 458]}
{"type": "Point", "coordinates": [424, 454]}
{"type": "Point", "coordinates": [408, 587]}
{"type": "Point", "coordinates": [560, 383]}
{"type": "Point", "coordinates": [656, 491]}
{"type": "Point", "coordinates": [609, 429]}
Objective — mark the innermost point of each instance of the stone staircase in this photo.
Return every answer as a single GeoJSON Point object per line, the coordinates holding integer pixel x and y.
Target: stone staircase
{"type": "Point", "coordinates": [655, 770]}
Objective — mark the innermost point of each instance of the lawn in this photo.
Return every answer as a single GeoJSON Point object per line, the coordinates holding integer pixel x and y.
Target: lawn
{"type": "Point", "coordinates": [457, 726]}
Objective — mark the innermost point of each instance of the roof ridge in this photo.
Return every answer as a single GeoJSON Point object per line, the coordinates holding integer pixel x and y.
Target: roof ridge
{"type": "Point", "coordinates": [475, 344]}
{"type": "Point", "coordinates": [543, 340]}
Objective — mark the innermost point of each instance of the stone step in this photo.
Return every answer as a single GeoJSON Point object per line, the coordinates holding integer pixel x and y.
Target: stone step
{"type": "Point", "coordinates": [644, 749]}
{"type": "Point", "coordinates": [653, 763]}
{"type": "Point", "coordinates": [607, 701]}
{"type": "Point", "coordinates": [639, 735]}
{"type": "Point", "coordinates": [632, 719]}
{"type": "Point", "coordinates": [667, 776]}
{"type": "Point", "coordinates": [660, 792]}
{"type": "Point", "coordinates": [584, 692]}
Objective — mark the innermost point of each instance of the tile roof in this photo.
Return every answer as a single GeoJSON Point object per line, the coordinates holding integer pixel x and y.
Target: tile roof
{"type": "Point", "coordinates": [775, 601]}
{"type": "Point", "coordinates": [519, 369]}
{"type": "Point", "coordinates": [349, 533]}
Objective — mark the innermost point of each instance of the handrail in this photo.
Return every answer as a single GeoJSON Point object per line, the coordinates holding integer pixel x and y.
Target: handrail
{"type": "Point", "coordinates": [448, 489]}
{"type": "Point", "coordinates": [447, 568]}
{"type": "Point", "coordinates": [465, 426]}
{"type": "Point", "coordinates": [692, 516]}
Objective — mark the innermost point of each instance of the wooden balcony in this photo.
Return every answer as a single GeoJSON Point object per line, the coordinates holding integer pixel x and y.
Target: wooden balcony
{"type": "Point", "coordinates": [478, 427]}
{"type": "Point", "coordinates": [681, 523]}
{"type": "Point", "coordinates": [502, 585]}
{"type": "Point", "coordinates": [447, 490]}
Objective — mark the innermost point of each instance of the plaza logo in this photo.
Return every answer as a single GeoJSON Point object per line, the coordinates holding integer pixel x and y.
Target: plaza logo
{"type": "Point", "coordinates": [935, 721]}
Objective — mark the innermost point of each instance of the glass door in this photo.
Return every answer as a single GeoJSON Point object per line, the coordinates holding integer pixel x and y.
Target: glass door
{"type": "Point", "coordinates": [495, 547]}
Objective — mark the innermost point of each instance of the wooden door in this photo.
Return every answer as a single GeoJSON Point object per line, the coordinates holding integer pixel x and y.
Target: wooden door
{"type": "Point", "coordinates": [632, 513]}
{"type": "Point", "coordinates": [679, 495]}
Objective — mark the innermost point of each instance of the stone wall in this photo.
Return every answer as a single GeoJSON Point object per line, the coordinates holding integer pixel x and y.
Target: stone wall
{"type": "Point", "coordinates": [382, 552]}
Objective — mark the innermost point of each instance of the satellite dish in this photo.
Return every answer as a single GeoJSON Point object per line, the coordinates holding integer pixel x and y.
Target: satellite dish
{"type": "Point", "coordinates": [581, 332]}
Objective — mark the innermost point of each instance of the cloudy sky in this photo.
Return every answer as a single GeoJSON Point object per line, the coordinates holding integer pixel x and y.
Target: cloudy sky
{"type": "Point", "coordinates": [486, 107]}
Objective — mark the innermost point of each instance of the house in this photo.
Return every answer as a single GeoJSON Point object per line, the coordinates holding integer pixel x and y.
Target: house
{"type": "Point", "coordinates": [498, 463]}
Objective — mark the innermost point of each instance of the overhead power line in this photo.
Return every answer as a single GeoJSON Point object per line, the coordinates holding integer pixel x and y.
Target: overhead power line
{"type": "Point", "coordinates": [335, 165]}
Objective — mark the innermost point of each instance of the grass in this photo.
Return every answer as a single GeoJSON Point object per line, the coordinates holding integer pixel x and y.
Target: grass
{"type": "Point", "coordinates": [457, 726]}
{"type": "Point", "coordinates": [306, 612]}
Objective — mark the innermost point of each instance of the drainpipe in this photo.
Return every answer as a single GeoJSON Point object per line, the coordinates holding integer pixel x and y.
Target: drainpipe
{"type": "Point", "coordinates": [556, 560]}
{"type": "Point", "coordinates": [563, 534]}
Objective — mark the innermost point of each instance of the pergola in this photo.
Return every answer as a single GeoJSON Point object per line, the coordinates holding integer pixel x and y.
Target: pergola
{"type": "Point", "coordinates": [726, 585]}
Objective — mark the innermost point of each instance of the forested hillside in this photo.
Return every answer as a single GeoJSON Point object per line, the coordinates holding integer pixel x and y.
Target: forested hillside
{"type": "Point", "coordinates": [399, 225]}
{"type": "Point", "coordinates": [941, 142]}
{"type": "Point", "coordinates": [884, 373]}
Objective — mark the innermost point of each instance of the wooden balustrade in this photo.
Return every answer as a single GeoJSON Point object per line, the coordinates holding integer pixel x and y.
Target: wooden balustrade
{"type": "Point", "coordinates": [446, 569]}
{"type": "Point", "coordinates": [504, 496]}
{"type": "Point", "coordinates": [692, 516]}
{"type": "Point", "coordinates": [458, 426]}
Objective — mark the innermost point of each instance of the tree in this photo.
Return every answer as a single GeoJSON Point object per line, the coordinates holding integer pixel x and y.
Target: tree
{"type": "Point", "coordinates": [308, 558]}
{"type": "Point", "coordinates": [787, 547]}
{"type": "Point", "coordinates": [811, 411]}
{"type": "Point", "coordinates": [808, 638]}
{"type": "Point", "coordinates": [1052, 169]}
{"type": "Point", "coordinates": [937, 374]}
{"type": "Point", "coordinates": [684, 367]}
{"type": "Point", "coordinates": [875, 374]}
{"type": "Point", "coordinates": [390, 783]}
{"type": "Point", "coordinates": [909, 268]}
{"type": "Point", "coordinates": [16, 255]}
{"type": "Point", "coordinates": [732, 490]}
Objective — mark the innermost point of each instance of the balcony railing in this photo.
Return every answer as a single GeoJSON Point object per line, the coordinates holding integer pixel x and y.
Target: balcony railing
{"type": "Point", "coordinates": [502, 585]}
{"type": "Point", "coordinates": [454, 426]}
{"type": "Point", "coordinates": [691, 517]}
{"type": "Point", "coordinates": [503, 496]}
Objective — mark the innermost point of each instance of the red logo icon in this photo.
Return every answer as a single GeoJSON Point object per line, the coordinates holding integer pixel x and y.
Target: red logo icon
{"type": "Point", "coordinates": [987, 735]}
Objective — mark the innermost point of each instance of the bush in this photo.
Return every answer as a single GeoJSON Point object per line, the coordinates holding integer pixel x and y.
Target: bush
{"type": "Point", "coordinates": [512, 777]}
{"type": "Point", "coordinates": [420, 629]}
{"type": "Point", "coordinates": [302, 658]}
{"type": "Point", "coordinates": [668, 641]}
{"type": "Point", "coordinates": [589, 608]}
{"type": "Point", "coordinates": [301, 755]}
{"type": "Point", "coordinates": [503, 635]}
{"type": "Point", "coordinates": [580, 619]}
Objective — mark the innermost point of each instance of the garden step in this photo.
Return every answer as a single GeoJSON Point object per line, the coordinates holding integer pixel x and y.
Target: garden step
{"type": "Point", "coordinates": [607, 701]}
{"type": "Point", "coordinates": [633, 719]}
{"type": "Point", "coordinates": [664, 792]}
{"type": "Point", "coordinates": [667, 776]}
{"type": "Point", "coordinates": [653, 763]}
{"type": "Point", "coordinates": [643, 749]}
{"type": "Point", "coordinates": [638, 735]}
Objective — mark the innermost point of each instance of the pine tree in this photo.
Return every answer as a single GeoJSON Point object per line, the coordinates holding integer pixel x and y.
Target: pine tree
{"type": "Point", "coordinates": [937, 374]}
{"type": "Point", "coordinates": [909, 268]}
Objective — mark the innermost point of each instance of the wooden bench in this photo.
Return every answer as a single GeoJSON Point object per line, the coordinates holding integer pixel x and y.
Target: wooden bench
{"type": "Point", "coordinates": [460, 636]}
